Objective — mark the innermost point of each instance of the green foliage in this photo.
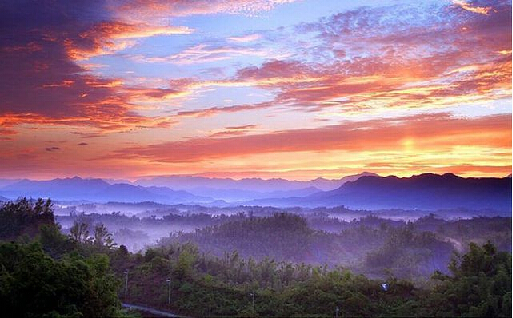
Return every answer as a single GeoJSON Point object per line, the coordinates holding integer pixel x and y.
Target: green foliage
{"type": "Point", "coordinates": [54, 243]}
{"type": "Point", "coordinates": [52, 276]}
{"type": "Point", "coordinates": [405, 250]}
{"type": "Point", "coordinates": [79, 232]}
{"type": "Point", "coordinates": [480, 285]}
{"type": "Point", "coordinates": [282, 237]}
{"type": "Point", "coordinates": [24, 217]}
{"type": "Point", "coordinates": [203, 285]}
{"type": "Point", "coordinates": [35, 285]}
{"type": "Point", "coordinates": [102, 237]}
{"type": "Point", "coordinates": [70, 276]}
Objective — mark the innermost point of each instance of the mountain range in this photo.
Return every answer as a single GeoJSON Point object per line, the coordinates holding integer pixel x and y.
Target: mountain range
{"type": "Point", "coordinates": [96, 190]}
{"type": "Point", "coordinates": [426, 191]}
{"type": "Point", "coordinates": [248, 188]}
{"type": "Point", "coordinates": [169, 189]}
{"type": "Point", "coordinates": [364, 191]}
{"type": "Point", "coordinates": [247, 184]}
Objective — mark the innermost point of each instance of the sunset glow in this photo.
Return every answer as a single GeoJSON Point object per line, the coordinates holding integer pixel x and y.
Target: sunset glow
{"type": "Point", "coordinates": [262, 88]}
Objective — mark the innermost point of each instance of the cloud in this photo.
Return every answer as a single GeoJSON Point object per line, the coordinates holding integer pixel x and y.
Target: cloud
{"type": "Point", "coordinates": [245, 38]}
{"type": "Point", "coordinates": [83, 144]}
{"type": "Point", "coordinates": [50, 149]}
{"type": "Point", "coordinates": [243, 127]}
{"type": "Point", "coordinates": [439, 132]}
{"type": "Point", "coordinates": [109, 37]}
{"type": "Point", "coordinates": [467, 61]}
{"type": "Point", "coordinates": [203, 53]}
{"type": "Point", "coordinates": [140, 10]}
{"type": "Point", "coordinates": [393, 59]}
{"type": "Point", "coordinates": [6, 131]}
{"type": "Point", "coordinates": [476, 9]}
{"type": "Point", "coordinates": [387, 63]}
{"type": "Point", "coordinates": [40, 81]}
{"type": "Point", "coordinates": [208, 112]}
{"type": "Point", "coordinates": [234, 131]}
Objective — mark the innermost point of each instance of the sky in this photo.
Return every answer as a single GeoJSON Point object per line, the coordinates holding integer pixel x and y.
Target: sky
{"type": "Point", "coordinates": [296, 89]}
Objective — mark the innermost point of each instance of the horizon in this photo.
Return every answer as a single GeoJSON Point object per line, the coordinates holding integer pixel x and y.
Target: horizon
{"type": "Point", "coordinates": [256, 158]}
{"type": "Point", "coordinates": [255, 89]}
{"type": "Point", "coordinates": [142, 178]}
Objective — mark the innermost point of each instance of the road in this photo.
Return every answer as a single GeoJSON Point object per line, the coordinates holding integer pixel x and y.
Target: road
{"type": "Point", "coordinates": [152, 311]}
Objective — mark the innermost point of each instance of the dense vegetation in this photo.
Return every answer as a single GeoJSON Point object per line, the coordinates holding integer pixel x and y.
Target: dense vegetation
{"type": "Point", "coordinates": [24, 217]}
{"type": "Point", "coordinates": [33, 284]}
{"type": "Point", "coordinates": [478, 285]}
{"type": "Point", "coordinates": [255, 266]}
{"type": "Point", "coordinates": [370, 245]}
{"type": "Point", "coordinates": [46, 274]}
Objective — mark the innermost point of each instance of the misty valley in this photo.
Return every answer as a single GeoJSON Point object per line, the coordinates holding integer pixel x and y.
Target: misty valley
{"type": "Point", "coordinates": [255, 158]}
{"type": "Point", "coordinates": [369, 242]}
{"type": "Point", "coordinates": [247, 260]}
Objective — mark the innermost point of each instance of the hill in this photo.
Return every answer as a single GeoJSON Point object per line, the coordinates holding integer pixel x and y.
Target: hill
{"type": "Point", "coordinates": [425, 191]}
{"type": "Point", "coordinates": [96, 190]}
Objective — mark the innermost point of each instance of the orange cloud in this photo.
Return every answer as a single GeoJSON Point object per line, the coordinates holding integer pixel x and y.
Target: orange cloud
{"type": "Point", "coordinates": [228, 109]}
{"type": "Point", "coordinates": [141, 10]}
{"type": "Point", "coordinates": [462, 58]}
{"type": "Point", "coordinates": [438, 131]}
{"type": "Point", "coordinates": [110, 37]}
{"type": "Point", "coordinates": [466, 6]}
{"type": "Point", "coordinates": [401, 146]}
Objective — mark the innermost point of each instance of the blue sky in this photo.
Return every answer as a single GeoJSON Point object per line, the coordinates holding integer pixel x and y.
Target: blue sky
{"type": "Point", "coordinates": [212, 87]}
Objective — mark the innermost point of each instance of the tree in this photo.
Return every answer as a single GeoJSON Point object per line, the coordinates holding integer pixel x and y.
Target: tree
{"type": "Point", "coordinates": [24, 217]}
{"type": "Point", "coordinates": [53, 241]}
{"type": "Point", "coordinates": [102, 237]}
{"type": "Point", "coordinates": [32, 284]}
{"type": "Point", "coordinates": [480, 285]}
{"type": "Point", "coordinates": [79, 232]}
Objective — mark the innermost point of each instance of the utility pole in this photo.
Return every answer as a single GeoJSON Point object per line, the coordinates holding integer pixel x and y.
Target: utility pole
{"type": "Point", "coordinates": [253, 296]}
{"type": "Point", "coordinates": [126, 284]}
{"type": "Point", "coordinates": [168, 281]}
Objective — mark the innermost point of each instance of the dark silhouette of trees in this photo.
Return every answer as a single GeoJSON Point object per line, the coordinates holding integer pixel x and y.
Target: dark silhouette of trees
{"type": "Point", "coordinates": [79, 232]}
{"type": "Point", "coordinates": [34, 285]}
{"type": "Point", "coordinates": [52, 275]}
{"type": "Point", "coordinates": [102, 237]}
{"type": "Point", "coordinates": [24, 217]}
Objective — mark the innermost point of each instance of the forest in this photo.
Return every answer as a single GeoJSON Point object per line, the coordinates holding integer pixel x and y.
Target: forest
{"type": "Point", "coordinates": [277, 263]}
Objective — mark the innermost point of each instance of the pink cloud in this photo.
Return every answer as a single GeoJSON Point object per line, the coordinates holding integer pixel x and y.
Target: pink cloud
{"type": "Point", "coordinates": [428, 131]}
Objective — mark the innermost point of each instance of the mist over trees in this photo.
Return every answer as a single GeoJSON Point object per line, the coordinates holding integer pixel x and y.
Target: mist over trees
{"type": "Point", "coordinates": [257, 261]}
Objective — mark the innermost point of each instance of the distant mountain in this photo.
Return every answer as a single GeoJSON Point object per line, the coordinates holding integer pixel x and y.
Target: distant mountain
{"type": "Point", "coordinates": [116, 181]}
{"type": "Point", "coordinates": [425, 191]}
{"type": "Point", "coordinates": [327, 184]}
{"type": "Point", "coordinates": [248, 188]}
{"type": "Point", "coordinates": [96, 190]}
{"type": "Point", "coordinates": [233, 195]}
{"type": "Point", "coordinates": [4, 182]}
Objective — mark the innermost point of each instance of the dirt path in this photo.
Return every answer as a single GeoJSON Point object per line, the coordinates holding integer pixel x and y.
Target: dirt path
{"type": "Point", "coordinates": [152, 311]}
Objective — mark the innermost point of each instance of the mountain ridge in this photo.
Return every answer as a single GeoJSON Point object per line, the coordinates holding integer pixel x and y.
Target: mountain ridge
{"type": "Point", "coordinates": [187, 182]}
{"type": "Point", "coordinates": [95, 189]}
{"type": "Point", "coordinates": [427, 191]}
